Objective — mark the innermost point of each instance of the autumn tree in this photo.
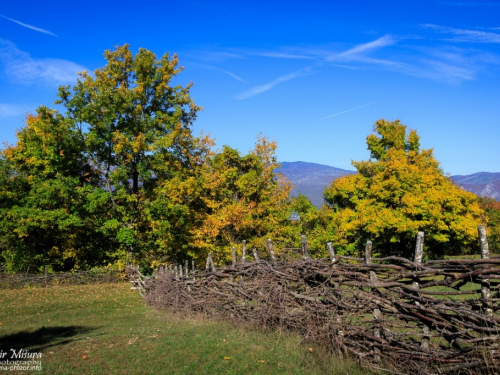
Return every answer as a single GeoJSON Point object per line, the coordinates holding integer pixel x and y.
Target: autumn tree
{"type": "Point", "coordinates": [244, 199]}
{"type": "Point", "coordinates": [401, 190]}
{"type": "Point", "coordinates": [136, 127]}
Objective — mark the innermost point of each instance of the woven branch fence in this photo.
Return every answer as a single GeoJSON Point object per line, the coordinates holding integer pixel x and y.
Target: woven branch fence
{"type": "Point", "coordinates": [434, 317]}
{"type": "Point", "coordinates": [12, 281]}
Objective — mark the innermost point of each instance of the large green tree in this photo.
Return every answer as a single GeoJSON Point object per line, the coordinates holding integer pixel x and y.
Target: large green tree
{"type": "Point", "coordinates": [50, 208]}
{"type": "Point", "coordinates": [136, 127]}
{"type": "Point", "coordinates": [401, 190]}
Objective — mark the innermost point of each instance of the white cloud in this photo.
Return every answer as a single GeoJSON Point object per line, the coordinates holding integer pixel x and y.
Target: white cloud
{"type": "Point", "coordinates": [446, 63]}
{"type": "Point", "coordinates": [465, 35]}
{"type": "Point", "coordinates": [231, 74]}
{"type": "Point", "coordinates": [20, 67]}
{"type": "Point", "coordinates": [441, 71]}
{"type": "Point", "coordinates": [353, 54]}
{"type": "Point", "coordinates": [220, 70]}
{"type": "Point", "coordinates": [384, 41]}
{"type": "Point", "coordinates": [283, 55]}
{"type": "Point", "coordinates": [268, 86]}
{"type": "Point", "coordinates": [213, 56]}
{"type": "Point", "coordinates": [468, 4]}
{"type": "Point", "coordinates": [29, 26]}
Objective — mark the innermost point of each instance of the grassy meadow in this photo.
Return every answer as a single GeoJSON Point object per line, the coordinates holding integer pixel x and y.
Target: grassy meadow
{"type": "Point", "coordinates": [107, 329]}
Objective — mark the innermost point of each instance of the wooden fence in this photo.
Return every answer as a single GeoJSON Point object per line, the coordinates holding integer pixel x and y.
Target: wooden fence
{"type": "Point", "coordinates": [11, 281]}
{"type": "Point", "coordinates": [433, 317]}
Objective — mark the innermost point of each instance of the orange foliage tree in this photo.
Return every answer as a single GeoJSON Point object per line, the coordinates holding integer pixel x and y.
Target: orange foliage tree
{"type": "Point", "coordinates": [244, 199]}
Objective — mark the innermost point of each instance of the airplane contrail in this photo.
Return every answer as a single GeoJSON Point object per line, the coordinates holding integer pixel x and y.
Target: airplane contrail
{"type": "Point", "coordinates": [28, 26]}
{"type": "Point", "coordinates": [349, 110]}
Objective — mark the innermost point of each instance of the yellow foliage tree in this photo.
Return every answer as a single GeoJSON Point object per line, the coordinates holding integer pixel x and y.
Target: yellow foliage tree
{"type": "Point", "coordinates": [401, 190]}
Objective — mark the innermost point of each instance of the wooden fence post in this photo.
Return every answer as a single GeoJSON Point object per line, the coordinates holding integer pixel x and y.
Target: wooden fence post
{"type": "Point", "coordinates": [210, 263]}
{"type": "Point", "coordinates": [234, 256]}
{"type": "Point", "coordinates": [255, 255]}
{"type": "Point", "coordinates": [305, 247]}
{"type": "Point", "coordinates": [186, 267]}
{"type": "Point", "coordinates": [331, 252]}
{"type": "Point", "coordinates": [243, 251]}
{"type": "Point", "coordinates": [180, 271]}
{"type": "Point", "coordinates": [271, 252]}
{"type": "Point", "coordinates": [485, 283]}
{"type": "Point", "coordinates": [194, 269]}
{"type": "Point", "coordinates": [368, 259]}
{"type": "Point", "coordinates": [377, 314]}
{"type": "Point", "coordinates": [419, 252]}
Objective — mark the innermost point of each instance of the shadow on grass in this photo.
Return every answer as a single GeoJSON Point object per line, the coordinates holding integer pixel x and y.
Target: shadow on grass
{"type": "Point", "coordinates": [39, 340]}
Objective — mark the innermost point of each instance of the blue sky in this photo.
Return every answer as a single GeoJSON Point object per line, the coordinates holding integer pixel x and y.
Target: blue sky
{"type": "Point", "coordinates": [313, 75]}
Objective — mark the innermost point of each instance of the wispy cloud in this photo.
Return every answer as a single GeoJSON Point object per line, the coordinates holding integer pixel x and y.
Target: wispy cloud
{"type": "Point", "coordinates": [449, 63]}
{"type": "Point", "coordinates": [349, 110]}
{"type": "Point", "coordinates": [441, 71]}
{"type": "Point", "coordinates": [29, 26]}
{"type": "Point", "coordinates": [11, 110]}
{"type": "Point", "coordinates": [231, 74]}
{"type": "Point", "coordinates": [355, 53]}
{"type": "Point", "coordinates": [325, 53]}
{"type": "Point", "coordinates": [384, 41]}
{"type": "Point", "coordinates": [212, 56]}
{"type": "Point", "coordinates": [20, 67]}
{"type": "Point", "coordinates": [465, 35]}
{"type": "Point", "coordinates": [468, 4]}
{"type": "Point", "coordinates": [205, 66]}
{"type": "Point", "coordinates": [268, 86]}
{"type": "Point", "coordinates": [284, 55]}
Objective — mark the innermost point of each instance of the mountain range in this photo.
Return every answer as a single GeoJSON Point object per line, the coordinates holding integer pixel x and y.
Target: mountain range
{"type": "Point", "coordinates": [311, 179]}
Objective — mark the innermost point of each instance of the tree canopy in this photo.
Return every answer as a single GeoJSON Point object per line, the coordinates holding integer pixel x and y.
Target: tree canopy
{"type": "Point", "coordinates": [137, 131]}
{"type": "Point", "coordinates": [119, 176]}
{"type": "Point", "coordinates": [50, 208]}
{"type": "Point", "coordinates": [401, 190]}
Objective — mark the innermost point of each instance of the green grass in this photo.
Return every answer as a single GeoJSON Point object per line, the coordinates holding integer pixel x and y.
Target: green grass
{"type": "Point", "coordinates": [107, 329]}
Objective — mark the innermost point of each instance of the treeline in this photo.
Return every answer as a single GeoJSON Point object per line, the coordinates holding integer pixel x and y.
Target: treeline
{"type": "Point", "coordinates": [119, 176]}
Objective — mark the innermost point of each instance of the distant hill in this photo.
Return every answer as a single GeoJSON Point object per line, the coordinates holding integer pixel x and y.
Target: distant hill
{"type": "Point", "coordinates": [484, 184]}
{"type": "Point", "coordinates": [310, 179]}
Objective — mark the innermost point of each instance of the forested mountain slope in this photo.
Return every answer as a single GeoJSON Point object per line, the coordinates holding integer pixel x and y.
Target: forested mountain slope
{"type": "Point", "coordinates": [310, 179]}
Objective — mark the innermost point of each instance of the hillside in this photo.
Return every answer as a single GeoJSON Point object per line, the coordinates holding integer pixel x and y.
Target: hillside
{"type": "Point", "coordinates": [484, 184]}
{"type": "Point", "coordinates": [310, 179]}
